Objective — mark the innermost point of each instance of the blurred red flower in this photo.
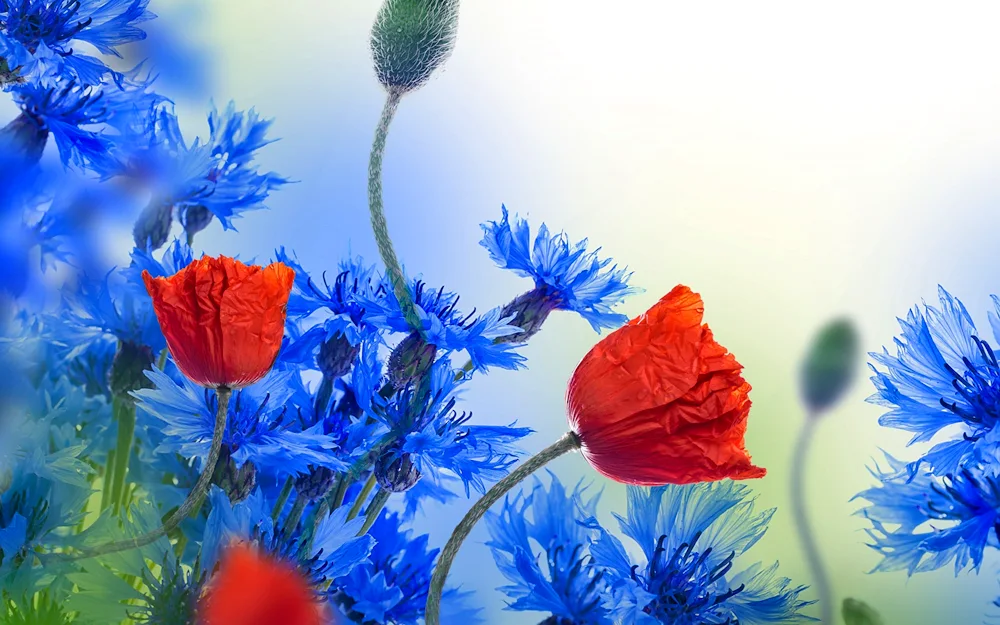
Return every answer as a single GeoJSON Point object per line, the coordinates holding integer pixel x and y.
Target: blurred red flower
{"type": "Point", "coordinates": [658, 401]}
{"type": "Point", "coordinates": [251, 588]}
{"type": "Point", "coordinates": [223, 320]}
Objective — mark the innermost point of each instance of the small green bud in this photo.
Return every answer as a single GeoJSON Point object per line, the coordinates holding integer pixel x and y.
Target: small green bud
{"type": "Point", "coordinates": [830, 365]}
{"type": "Point", "coordinates": [24, 137]}
{"type": "Point", "coordinates": [237, 482]}
{"type": "Point", "coordinates": [410, 361]}
{"type": "Point", "coordinates": [411, 39]}
{"type": "Point", "coordinates": [859, 613]}
{"type": "Point", "coordinates": [152, 227]}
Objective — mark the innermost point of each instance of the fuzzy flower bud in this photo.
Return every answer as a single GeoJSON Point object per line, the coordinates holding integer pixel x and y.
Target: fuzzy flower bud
{"type": "Point", "coordinates": [336, 356]}
{"type": "Point", "coordinates": [410, 361]}
{"type": "Point", "coordinates": [396, 473]}
{"type": "Point", "coordinates": [24, 138]}
{"type": "Point", "coordinates": [237, 482]}
{"type": "Point", "coordinates": [127, 368]}
{"type": "Point", "coordinates": [530, 311]}
{"type": "Point", "coordinates": [411, 39]}
{"type": "Point", "coordinates": [829, 365]}
{"type": "Point", "coordinates": [152, 227]}
{"type": "Point", "coordinates": [195, 219]}
{"type": "Point", "coordinates": [315, 483]}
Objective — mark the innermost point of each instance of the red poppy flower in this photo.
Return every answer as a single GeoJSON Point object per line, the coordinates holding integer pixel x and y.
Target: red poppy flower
{"type": "Point", "coordinates": [658, 401]}
{"type": "Point", "coordinates": [251, 588]}
{"type": "Point", "coordinates": [223, 320]}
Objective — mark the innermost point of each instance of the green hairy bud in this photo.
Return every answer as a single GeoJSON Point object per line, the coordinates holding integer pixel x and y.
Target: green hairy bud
{"type": "Point", "coordinates": [860, 613]}
{"type": "Point", "coordinates": [411, 39]}
{"type": "Point", "coordinates": [830, 365]}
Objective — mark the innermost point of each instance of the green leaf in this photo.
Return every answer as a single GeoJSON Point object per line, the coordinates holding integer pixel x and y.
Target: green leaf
{"type": "Point", "coordinates": [860, 613]}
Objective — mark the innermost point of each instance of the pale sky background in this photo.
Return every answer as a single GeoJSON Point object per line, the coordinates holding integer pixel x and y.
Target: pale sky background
{"type": "Point", "coordinates": [789, 161]}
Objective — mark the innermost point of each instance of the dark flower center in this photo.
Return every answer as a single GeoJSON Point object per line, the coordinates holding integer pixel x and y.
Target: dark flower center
{"type": "Point", "coordinates": [979, 387]}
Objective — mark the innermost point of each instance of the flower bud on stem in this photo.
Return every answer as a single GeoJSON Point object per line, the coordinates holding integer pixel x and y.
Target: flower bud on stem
{"type": "Point", "coordinates": [432, 613]}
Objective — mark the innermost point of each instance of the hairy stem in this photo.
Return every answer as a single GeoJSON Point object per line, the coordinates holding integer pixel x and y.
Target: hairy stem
{"type": "Point", "coordinates": [362, 496]}
{"type": "Point", "coordinates": [567, 443]}
{"type": "Point", "coordinates": [379, 225]}
{"type": "Point", "coordinates": [374, 509]}
{"type": "Point", "coordinates": [193, 500]}
{"type": "Point", "coordinates": [821, 581]}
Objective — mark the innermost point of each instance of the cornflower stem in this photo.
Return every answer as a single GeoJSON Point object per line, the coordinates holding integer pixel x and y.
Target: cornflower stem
{"type": "Point", "coordinates": [193, 500]}
{"type": "Point", "coordinates": [279, 505]}
{"type": "Point", "coordinates": [109, 469]}
{"type": "Point", "coordinates": [295, 515]}
{"type": "Point", "coordinates": [124, 411]}
{"type": "Point", "coordinates": [569, 442]}
{"type": "Point", "coordinates": [362, 496]}
{"type": "Point", "coordinates": [376, 208]}
{"type": "Point", "coordinates": [821, 581]}
{"type": "Point", "coordinates": [374, 509]}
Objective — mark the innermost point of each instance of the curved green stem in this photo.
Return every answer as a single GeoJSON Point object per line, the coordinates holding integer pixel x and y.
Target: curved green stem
{"type": "Point", "coordinates": [193, 500]}
{"type": "Point", "coordinates": [820, 579]}
{"type": "Point", "coordinates": [379, 225]}
{"type": "Point", "coordinates": [432, 612]}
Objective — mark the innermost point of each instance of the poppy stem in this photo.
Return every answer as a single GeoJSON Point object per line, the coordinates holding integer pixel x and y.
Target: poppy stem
{"type": "Point", "coordinates": [809, 545]}
{"type": "Point", "coordinates": [194, 498]}
{"type": "Point", "coordinates": [375, 206]}
{"type": "Point", "coordinates": [432, 612]}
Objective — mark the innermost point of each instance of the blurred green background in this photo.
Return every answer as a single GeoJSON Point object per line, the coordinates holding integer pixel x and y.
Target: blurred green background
{"type": "Point", "coordinates": [791, 162]}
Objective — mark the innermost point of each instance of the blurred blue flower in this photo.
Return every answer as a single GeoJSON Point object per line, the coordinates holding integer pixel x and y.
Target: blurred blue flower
{"type": "Point", "coordinates": [444, 326]}
{"type": "Point", "coordinates": [246, 520]}
{"type": "Point", "coordinates": [569, 586]}
{"type": "Point", "coordinates": [567, 277]}
{"type": "Point", "coordinates": [392, 586]}
{"type": "Point", "coordinates": [57, 25]}
{"type": "Point", "coordinates": [175, 257]}
{"type": "Point", "coordinates": [943, 375]}
{"type": "Point", "coordinates": [690, 537]}
{"type": "Point", "coordinates": [215, 177]}
{"type": "Point", "coordinates": [257, 429]}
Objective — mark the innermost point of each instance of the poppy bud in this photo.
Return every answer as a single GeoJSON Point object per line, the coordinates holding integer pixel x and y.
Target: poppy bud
{"type": "Point", "coordinates": [860, 613]}
{"type": "Point", "coordinates": [530, 311]}
{"type": "Point", "coordinates": [25, 138]}
{"type": "Point", "coordinates": [336, 356]}
{"type": "Point", "coordinates": [152, 227]}
{"type": "Point", "coordinates": [315, 483]}
{"type": "Point", "coordinates": [658, 401]}
{"type": "Point", "coordinates": [237, 482]}
{"type": "Point", "coordinates": [223, 320]}
{"type": "Point", "coordinates": [829, 365]}
{"type": "Point", "coordinates": [396, 473]}
{"type": "Point", "coordinates": [128, 368]}
{"type": "Point", "coordinates": [252, 588]}
{"type": "Point", "coordinates": [412, 38]}
{"type": "Point", "coordinates": [195, 219]}
{"type": "Point", "coordinates": [410, 361]}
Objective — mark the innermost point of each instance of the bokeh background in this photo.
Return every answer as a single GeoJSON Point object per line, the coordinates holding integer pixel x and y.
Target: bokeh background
{"type": "Point", "coordinates": [790, 161]}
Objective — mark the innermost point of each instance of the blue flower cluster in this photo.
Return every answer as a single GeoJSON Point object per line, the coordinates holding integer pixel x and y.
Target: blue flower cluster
{"type": "Point", "coordinates": [561, 561]}
{"type": "Point", "coordinates": [324, 462]}
{"type": "Point", "coordinates": [942, 386]}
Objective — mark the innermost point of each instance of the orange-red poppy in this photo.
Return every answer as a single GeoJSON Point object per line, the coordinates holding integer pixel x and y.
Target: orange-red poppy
{"type": "Point", "coordinates": [223, 320]}
{"type": "Point", "coordinates": [658, 401]}
{"type": "Point", "coordinates": [251, 588]}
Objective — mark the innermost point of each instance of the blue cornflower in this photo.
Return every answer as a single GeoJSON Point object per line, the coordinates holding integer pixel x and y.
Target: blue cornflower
{"type": "Point", "coordinates": [569, 586]}
{"type": "Point", "coordinates": [567, 277]}
{"type": "Point", "coordinates": [57, 25]}
{"type": "Point", "coordinates": [437, 439]}
{"type": "Point", "coordinates": [177, 256]}
{"type": "Point", "coordinates": [391, 588]}
{"type": "Point", "coordinates": [444, 327]}
{"type": "Point", "coordinates": [78, 116]}
{"type": "Point", "coordinates": [942, 376]}
{"type": "Point", "coordinates": [259, 428]}
{"type": "Point", "coordinates": [690, 537]}
{"type": "Point", "coordinates": [213, 177]}
{"type": "Point", "coordinates": [331, 344]}
{"type": "Point", "coordinates": [933, 519]}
